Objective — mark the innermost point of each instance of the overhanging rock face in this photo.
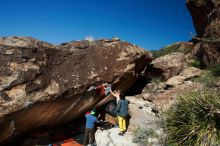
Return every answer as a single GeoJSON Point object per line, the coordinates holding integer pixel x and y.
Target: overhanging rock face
{"type": "Point", "coordinates": [45, 85]}
{"type": "Point", "coordinates": [201, 11]}
{"type": "Point", "coordinates": [206, 19]}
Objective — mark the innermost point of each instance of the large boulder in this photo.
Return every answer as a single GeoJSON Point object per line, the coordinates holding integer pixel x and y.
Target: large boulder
{"type": "Point", "coordinates": [45, 85]}
{"type": "Point", "coordinates": [206, 19]}
{"type": "Point", "coordinates": [175, 80]}
{"type": "Point", "coordinates": [166, 66]}
{"type": "Point", "coordinates": [185, 74]}
{"type": "Point", "coordinates": [190, 72]}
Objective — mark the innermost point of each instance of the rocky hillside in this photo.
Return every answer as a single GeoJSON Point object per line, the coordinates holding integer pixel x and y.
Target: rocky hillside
{"type": "Point", "coordinates": [45, 85]}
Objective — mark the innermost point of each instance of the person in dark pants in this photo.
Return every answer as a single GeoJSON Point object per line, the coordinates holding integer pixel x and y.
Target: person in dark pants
{"type": "Point", "coordinates": [91, 119]}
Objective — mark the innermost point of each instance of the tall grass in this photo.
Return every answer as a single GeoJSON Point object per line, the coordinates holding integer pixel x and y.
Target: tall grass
{"type": "Point", "coordinates": [194, 120]}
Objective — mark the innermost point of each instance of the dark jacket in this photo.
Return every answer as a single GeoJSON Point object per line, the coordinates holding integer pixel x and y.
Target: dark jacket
{"type": "Point", "coordinates": [122, 108]}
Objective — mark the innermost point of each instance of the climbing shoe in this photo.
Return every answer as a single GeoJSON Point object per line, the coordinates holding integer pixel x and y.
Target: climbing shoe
{"type": "Point", "coordinates": [120, 133]}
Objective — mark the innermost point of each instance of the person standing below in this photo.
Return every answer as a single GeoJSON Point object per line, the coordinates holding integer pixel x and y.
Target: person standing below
{"type": "Point", "coordinates": [122, 111]}
{"type": "Point", "coordinates": [91, 119]}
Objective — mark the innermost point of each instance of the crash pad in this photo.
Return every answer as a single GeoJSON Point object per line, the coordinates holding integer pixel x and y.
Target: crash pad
{"type": "Point", "coordinates": [70, 142]}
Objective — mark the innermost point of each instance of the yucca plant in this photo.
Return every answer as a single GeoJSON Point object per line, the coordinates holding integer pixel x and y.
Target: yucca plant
{"type": "Point", "coordinates": [194, 120]}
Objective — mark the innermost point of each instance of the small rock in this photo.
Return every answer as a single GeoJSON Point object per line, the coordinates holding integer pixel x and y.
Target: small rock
{"type": "Point", "coordinates": [9, 52]}
{"type": "Point", "coordinates": [161, 86]}
{"type": "Point", "coordinates": [148, 97]}
{"type": "Point", "coordinates": [147, 104]}
{"type": "Point", "coordinates": [145, 96]}
{"type": "Point", "coordinates": [151, 86]}
{"type": "Point", "coordinates": [32, 59]}
{"type": "Point", "coordinates": [217, 84]}
{"type": "Point", "coordinates": [175, 80]}
{"type": "Point", "coordinates": [159, 131]}
{"type": "Point", "coordinates": [155, 110]}
{"type": "Point", "coordinates": [138, 96]}
{"type": "Point", "coordinates": [153, 140]}
{"type": "Point", "coordinates": [140, 107]}
{"type": "Point", "coordinates": [188, 82]}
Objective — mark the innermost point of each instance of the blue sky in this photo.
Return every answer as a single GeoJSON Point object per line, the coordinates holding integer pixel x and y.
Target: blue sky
{"type": "Point", "coordinates": [150, 24]}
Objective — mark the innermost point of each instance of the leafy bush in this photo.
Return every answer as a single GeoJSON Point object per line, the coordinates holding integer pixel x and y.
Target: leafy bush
{"type": "Point", "coordinates": [142, 135]}
{"type": "Point", "coordinates": [215, 70]}
{"type": "Point", "coordinates": [169, 49]}
{"type": "Point", "coordinates": [157, 80]}
{"type": "Point", "coordinates": [195, 63]}
{"type": "Point", "coordinates": [194, 120]}
{"type": "Point", "coordinates": [208, 79]}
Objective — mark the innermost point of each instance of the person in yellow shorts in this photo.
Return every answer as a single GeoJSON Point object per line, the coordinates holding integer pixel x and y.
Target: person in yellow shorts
{"type": "Point", "coordinates": [122, 111]}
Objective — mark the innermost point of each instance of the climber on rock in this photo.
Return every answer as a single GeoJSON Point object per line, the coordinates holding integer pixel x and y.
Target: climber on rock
{"type": "Point", "coordinates": [103, 89]}
{"type": "Point", "coordinates": [122, 110]}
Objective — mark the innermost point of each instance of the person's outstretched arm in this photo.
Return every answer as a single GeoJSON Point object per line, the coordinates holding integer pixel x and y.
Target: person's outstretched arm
{"type": "Point", "coordinates": [116, 94]}
{"type": "Point", "coordinates": [97, 121]}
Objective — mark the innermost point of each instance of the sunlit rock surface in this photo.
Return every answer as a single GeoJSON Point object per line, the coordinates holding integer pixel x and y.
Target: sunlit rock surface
{"type": "Point", "coordinates": [45, 85]}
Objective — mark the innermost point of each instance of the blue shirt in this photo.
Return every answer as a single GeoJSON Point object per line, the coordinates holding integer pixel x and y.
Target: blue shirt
{"type": "Point", "coordinates": [91, 120]}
